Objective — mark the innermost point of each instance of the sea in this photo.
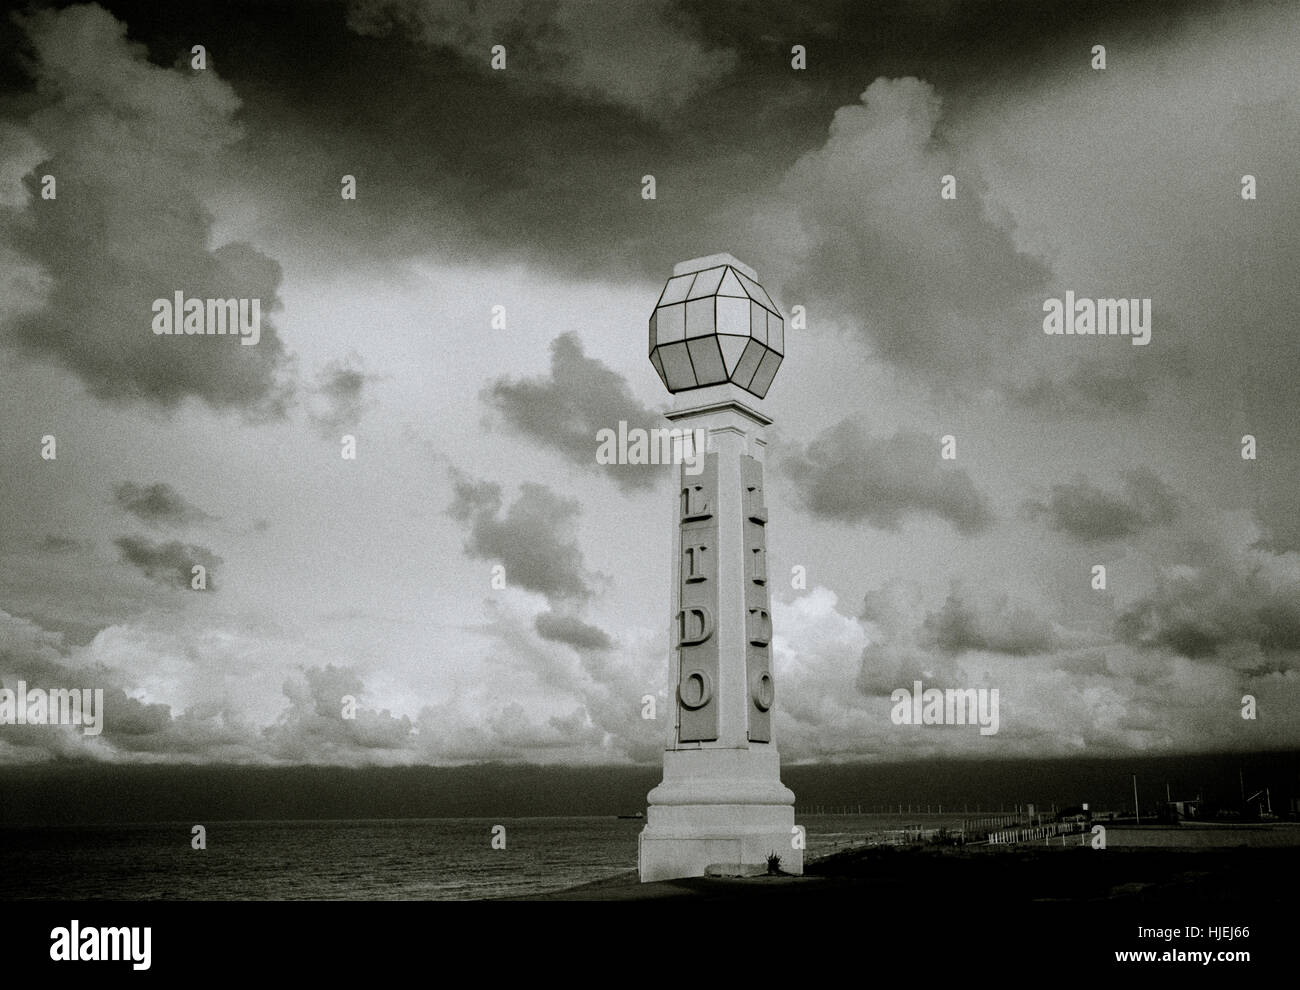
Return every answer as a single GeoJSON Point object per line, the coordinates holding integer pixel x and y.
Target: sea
{"type": "Point", "coordinates": [432, 859]}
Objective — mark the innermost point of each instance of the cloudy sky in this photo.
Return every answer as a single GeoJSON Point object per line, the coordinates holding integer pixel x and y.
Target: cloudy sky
{"type": "Point", "coordinates": [521, 188]}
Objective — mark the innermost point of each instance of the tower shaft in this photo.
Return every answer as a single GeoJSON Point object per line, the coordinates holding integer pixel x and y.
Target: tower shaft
{"type": "Point", "coordinates": [721, 800]}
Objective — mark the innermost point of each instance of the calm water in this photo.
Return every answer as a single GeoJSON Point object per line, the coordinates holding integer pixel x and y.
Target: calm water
{"type": "Point", "coordinates": [412, 859]}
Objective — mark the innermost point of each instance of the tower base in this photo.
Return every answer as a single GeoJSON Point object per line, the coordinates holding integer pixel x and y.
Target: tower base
{"type": "Point", "coordinates": [718, 807]}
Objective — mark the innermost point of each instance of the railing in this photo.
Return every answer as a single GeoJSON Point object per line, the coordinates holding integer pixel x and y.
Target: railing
{"type": "Point", "coordinates": [994, 830]}
{"type": "Point", "coordinates": [1012, 836]}
{"type": "Point", "coordinates": [976, 826]}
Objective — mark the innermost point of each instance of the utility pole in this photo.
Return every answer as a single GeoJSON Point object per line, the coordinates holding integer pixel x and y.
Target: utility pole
{"type": "Point", "coordinates": [1137, 815]}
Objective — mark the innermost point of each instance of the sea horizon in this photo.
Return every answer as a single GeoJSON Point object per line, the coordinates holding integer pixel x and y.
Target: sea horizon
{"type": "Point", "coordinates": [420, 859]}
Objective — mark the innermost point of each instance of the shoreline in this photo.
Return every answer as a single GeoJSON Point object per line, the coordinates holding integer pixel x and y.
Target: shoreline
{"type": "Point", "coordinates": [1243, 874]}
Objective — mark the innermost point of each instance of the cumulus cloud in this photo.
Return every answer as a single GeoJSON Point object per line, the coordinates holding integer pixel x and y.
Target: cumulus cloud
{"type": "Point", "coordinates": [338, 398]}
{"type": "Point", "coordinates": [1243, 610]}
{"type": "Point", "coordinates": [571, 630]}
{"type": "Point", "coordinates": [1056, 696]}
{"type": "Point", "coordinates": [220, 722]}
{"type": "Point", "coordinates": [819, 712]}
{"type": "Point", "coordinates": [896, 653]}
{"type": "Point", "coordinates": [170, 564]}
{"type": "Point", "coordinates": [567, 699]}
{"type": "Point", "coordinates": [129, 725]}
{"type": "Point", "coordinates": [131, 146]}
{"type": "Point", "coordinates": [320, 727]}
{"type": "Point", "coordinates": [1088, 514]}
{"type": "Point", "coordinates": [565, 410]}
{"type": "Point", "coordinates": [934, 286]}
{"type": "Point", "coordinates": [157, 504]}
{"type": "Point", "coordinates": [533, 539]}
{"type": "Point", "coordinates": [996, 625]}
{"type": "Point", "coordinates": [640, 54]}
{"type": "Point", "coordinates": [1222, 620]}
{"type": "Point", "coordinates": [844, 474]}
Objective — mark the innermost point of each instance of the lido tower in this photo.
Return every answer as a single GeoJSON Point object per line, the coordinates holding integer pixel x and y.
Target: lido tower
{"type": "Point", "coordinates": [716, 341]}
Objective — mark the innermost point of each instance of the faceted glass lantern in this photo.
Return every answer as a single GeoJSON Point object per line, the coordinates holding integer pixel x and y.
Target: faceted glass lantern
{"type": "Point", "coordinates": [715, 324]}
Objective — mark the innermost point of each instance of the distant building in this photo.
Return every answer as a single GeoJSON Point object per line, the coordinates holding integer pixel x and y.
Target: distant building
{"type": "Point", "coordinates": [1177, 811]}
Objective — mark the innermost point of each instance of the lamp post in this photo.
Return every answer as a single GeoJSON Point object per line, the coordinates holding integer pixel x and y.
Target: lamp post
{"type": "Point", "coordinates": [716, 341]}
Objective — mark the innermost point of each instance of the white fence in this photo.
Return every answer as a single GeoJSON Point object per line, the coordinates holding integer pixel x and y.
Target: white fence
{"type": "Point", "coordinates": [1011, 836]}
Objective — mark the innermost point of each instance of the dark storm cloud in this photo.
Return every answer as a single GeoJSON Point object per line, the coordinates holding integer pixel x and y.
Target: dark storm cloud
{"type": "Point", "coordinates": [848, 476]}
{"type": "Point", "coordinates": [129, 717]}
{"type": "Point", "coordinates": [561, 175]}
{"type": "Point", "coordinates": [533, 540]}
{"type": "Point", "coordinates": [130, 145]}
{"type": "Point", "coordinates": [565, 411]}
{"type": "Point", "coordinates": [1237, 612]}
{"type": "Point", "coordinates": [1090, 387]}
{"type": "Point", "coordinates": [157, 504]}
{"type": "Point", "coordinates": [479, 165]}
{"type": "Point", "coordinates": [1088, 514]}
{"type": "Point", "coordinates": [996, 626]}
{"type": "Point", "coordinates": [61, 544]}
{"type": "Point", "coordinates": [339, 395]}
{"type": "Point", "coordinates": [641, 54]}
{"type": "Point", "coordinates": [168, 563]}
{"type": "Point", "coordinates": [572, 631]}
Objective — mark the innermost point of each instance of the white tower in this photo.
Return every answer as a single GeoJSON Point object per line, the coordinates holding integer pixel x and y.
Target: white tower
{"type": "Point", "coordinates": [716, 341]}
